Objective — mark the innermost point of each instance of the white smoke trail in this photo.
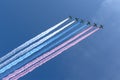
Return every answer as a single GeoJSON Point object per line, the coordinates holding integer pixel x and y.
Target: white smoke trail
{"type": "Point", "coordinates": [31, 41]}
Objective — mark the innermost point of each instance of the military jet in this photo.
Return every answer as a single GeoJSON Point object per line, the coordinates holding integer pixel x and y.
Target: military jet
{"type": "Point", "coordinates": [77, 19]}
{"type": "Point", "coordinates": [101, 26]}
{"type": "Point", "coordinates": [70, 17]}
{"type": "Point", "coordinates": [95, 25]}
{"type": "Point", "coordinates": [88, 23]}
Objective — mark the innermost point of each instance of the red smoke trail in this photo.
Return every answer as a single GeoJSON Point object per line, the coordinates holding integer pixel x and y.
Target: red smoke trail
{"type": "Point", "coordinates": [52, 56]}
{"type": "Point", "coordinates": [45, 55]}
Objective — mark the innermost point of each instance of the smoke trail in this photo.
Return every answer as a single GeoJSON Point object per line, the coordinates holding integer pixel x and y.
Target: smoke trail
{"type": "Point", "coordinates": [52, 56]}
{"type": "Point", "coordinates": [46, 54]}
{"type": "Point", "coordinates": [46, 49]}
{"type": "Point", "coordinates": [32, 40]}
{"type": "Point", "coordinates": [43, 51]}
{"type": "Point", "coordinates": [31, 47]}
{"type": "Point", "coordinates": [41, 35]}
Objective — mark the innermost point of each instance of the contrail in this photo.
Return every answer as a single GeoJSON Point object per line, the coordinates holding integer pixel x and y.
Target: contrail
{"type": "Point", "coordinates": [41, 47]}
{"type": "Point", "coordinates": [47, 49]}
{"type": "Point", "coordinates": [53, 55]}
{"type": "Point", "coordinates": [46, 54]}
{"type": "Point", "coordinates": [29, 48]}
{"type": "Point", "coordinates": [32, 40]}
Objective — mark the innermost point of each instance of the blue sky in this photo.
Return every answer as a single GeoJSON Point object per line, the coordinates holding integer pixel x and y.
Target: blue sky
{"type": "Point", "coordinates": [96, 58]}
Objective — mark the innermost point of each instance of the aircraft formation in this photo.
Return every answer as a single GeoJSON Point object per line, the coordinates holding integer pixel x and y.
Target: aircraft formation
{"type": "Point", "coordinates": [45, 46]}
{"type": "Point", "coordinates": [87, 22]}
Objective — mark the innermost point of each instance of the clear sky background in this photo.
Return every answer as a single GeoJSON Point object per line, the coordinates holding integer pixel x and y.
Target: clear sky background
{"type": "Point", "coordinates": [96, 58]}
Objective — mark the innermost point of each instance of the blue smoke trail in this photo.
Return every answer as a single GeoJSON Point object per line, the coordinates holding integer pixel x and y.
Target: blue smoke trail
{"type": "Point", "coordinates": [44, 50]}
{"type": "Point", "coordinates": [27, 50]}
{"type": "Point", "coordinates": [34, 45]}
{"type": "Point", "coordinates": [36, 49]}
{"type": "Point", "coordinates": [32, 40]}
